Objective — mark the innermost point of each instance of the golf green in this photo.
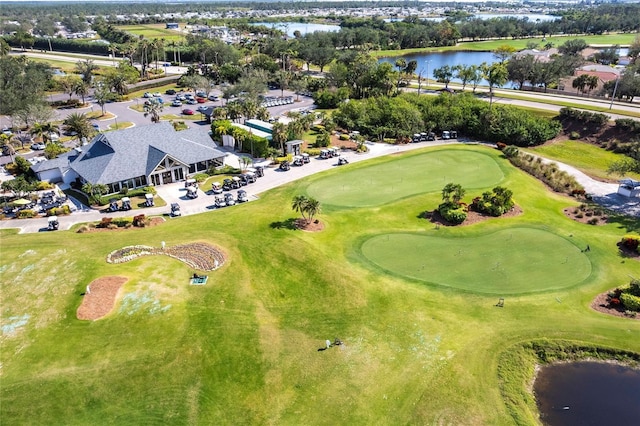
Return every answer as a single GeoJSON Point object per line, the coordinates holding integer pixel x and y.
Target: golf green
{"type": "Point", "coordinates": [392, 180]}
{"type": "Point", "coordinates": [511, 261]}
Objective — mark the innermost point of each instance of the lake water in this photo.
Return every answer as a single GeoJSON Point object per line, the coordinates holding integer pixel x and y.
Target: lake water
{"type": "Point", "coordinates": [588, 393]}
{"type": "Point", "coordinates": [305, 28]}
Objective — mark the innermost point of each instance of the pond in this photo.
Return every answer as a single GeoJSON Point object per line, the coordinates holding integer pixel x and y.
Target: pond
{"type": "Point", "coordinates": [305, 28]}
{"type": "Point", "coordinates": [588, 393]}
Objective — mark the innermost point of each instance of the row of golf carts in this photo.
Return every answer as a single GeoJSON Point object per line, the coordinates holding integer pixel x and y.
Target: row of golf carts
{"type": "Point", "coordinates": [125, 203]}
{"type": "Point", "coordinates": [298, 161]}
{"type": "Point", "coordinates": [224, 200]}
{"type": "Point", "coordinates": [430, 136]}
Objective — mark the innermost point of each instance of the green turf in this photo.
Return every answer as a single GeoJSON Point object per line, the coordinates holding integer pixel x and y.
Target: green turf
{"type": "Point", "coordinates": [587, 157]}
{"type": "Point", "coordinates": [243, 349]}
{"type": "Point", "coordinates": [517, 260]}
{"type": "Point", "coordinates": [386, 182]}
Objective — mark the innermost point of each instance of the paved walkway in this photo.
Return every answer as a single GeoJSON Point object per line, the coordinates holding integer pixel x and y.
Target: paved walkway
{"type": "Point", "coordinates": [603, 193]}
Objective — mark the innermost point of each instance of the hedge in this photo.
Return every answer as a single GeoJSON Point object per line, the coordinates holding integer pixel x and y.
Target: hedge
{"type": "Point", "coordinates": [630, 302]}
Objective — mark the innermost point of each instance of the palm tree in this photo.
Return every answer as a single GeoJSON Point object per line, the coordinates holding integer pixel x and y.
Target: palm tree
{"type": "Point", "coordinates": [279, 134]}
{"type": "Point", "coordinates": [101, 95]}
{"type": "Point", "coordinates": [81, 89]}
{"type": "Point", "coordinates": [299, 205]}
{"type": "Point", "coordinates": [592, 82]}
{"type": "Point", "coordinates": [312, 208]}
{"type": "Point", "coordinates": [78, 123]}
{"type": "Point", "coordinates": [220, 113]}
{"type": "Point", "coordinates": [44, 130]}
{"type": "Point", "coordinates": [153, 108]}
{"type": "Point", "coordinates": [86, 68]}
{"type": "Point", "coordinates": [118, 83]}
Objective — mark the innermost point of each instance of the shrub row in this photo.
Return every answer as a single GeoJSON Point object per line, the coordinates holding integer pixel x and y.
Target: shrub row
{"type": "Point", "coordinates": [630, 302]}
{"type": "Point", "coordinates": [584, 117]}
{"type": "Point", "coordinates": [549, 173]}
{"type": "Point", "coordinates": [628, 125]}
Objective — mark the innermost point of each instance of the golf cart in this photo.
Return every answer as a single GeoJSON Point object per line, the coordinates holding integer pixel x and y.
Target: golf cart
{"type": "Point", "coordinates": [284, 166]}
{"type": "Point", "coordinates": [324, 154]}
{"type": "Point", "coordinates": [192, 192]}
{"type": "Point", "coordinates": [334, 151]}
{"type": "Point", "coordinates": [148, 200]}
{"type": "Point", "coordinates": [219, 201]}
{"type": "Point", "coordinates": [242, 196]}
{"type": "Point", "coordinates": [113, 205]}
{"type": "Point", "coordinates": [297, 160]}
{"type": "Point", "coordinates": [431, 136]}
{"type": "Point", "coordinates": [251, 177]}
{"type": "Point", "coordinates": [125, 204]}
{"type": "Point", "coordinates": [453, 134]}
{"type": "Point", "coordinates": [189, 183]}
{"type": "Point", "coordinates": [235, 182]}
{"type": "Point", "coordinates": [216, 188]}
{"type": "Point", "coordinates": [259, 171]}
{"type": "Point", "coordinates": [175, 209]}
{"type": "Point", "coordinates": [306, 158]}
{"type": "Point", "coordinates": [446, 134]}
{"type": "Point", "coordinates": [53, 223]}
{"type": "Point", "coordinates": [342, 161]}
{"type": "Point", "coordinates": [244, 181]}
{"type": "Point", "coordinates": [227, 184]}
{"type": "Point", "coordinates": [416, 137]}
{"type": "Point", "coordinates": [228, 198]}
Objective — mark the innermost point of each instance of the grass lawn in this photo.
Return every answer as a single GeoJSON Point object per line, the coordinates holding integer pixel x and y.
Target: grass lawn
{"type": "Point", "coordinates": [152, 31]}
{"type": "Point", "coordinates": [367, 185]}
{"type": "Point", "coordinates": [589, 158]}
{"type": "Point", "coordinates": [119, 126]}
{"type": "Point", "coordinates": [510, 261]}
{"type": "Point", "coordinates": [243, 349]}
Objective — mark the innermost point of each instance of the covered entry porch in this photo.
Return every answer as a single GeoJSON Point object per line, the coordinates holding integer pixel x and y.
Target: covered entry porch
{"type": "Point", "coordinates": [168, 170]}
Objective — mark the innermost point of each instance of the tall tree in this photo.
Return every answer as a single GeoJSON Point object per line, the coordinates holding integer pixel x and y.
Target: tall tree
{"type": "Point", "coordinates": [80, 125]}
{"type": "Point", "coordinates": [44, 130]}
{"type": "Point", "coordinates": [153, 109]}
{"type": "Point", "coordinates": [444, 75]}
{"type": "Point", "coordinates": [86, 69]}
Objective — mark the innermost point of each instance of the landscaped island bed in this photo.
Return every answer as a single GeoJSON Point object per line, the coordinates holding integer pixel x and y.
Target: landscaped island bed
{"type": "Point", "coordinates": [420, 346]}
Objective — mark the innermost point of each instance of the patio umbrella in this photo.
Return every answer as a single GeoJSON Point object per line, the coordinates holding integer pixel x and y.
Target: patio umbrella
{"type": "Point", "coordinates": [20, 202]}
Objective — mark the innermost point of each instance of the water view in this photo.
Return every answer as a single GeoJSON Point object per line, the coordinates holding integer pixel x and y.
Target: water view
{"type": "Point", "coordinates": [305, 28]}
{"type": "Point", "coordinates": [588, 393]}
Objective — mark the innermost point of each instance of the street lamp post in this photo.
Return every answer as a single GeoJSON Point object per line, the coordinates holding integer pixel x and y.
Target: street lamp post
{"type": "Point", "coordinates": [615, 89]}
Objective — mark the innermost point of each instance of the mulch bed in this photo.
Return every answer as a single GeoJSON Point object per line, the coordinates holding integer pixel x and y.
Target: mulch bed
{"type": "Point", "coordinates": [101, 298]}
{"type": "Point", "coordinates": [154, 221]}
{"type": "Point", "coordinates": [570, 212]}
{"type": "Point", "coordinates": [472, 217]}
{"type": "Point", "coordinates": [313, 226]}
{"type": "Point", "coordinates": [601, 304]}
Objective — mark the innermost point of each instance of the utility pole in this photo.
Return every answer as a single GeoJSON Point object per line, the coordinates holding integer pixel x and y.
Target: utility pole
{"type": "Point", "coordinates": [615, 89]}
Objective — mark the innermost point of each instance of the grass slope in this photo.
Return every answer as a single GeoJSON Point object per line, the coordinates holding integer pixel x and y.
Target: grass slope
{"type": "Point", "coordinates": [243, 348]}
{"type": "Point", "coordinates": [589, 158]}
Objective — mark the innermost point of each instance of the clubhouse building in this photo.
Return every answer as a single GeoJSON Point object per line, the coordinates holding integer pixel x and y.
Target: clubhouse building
{"type": "Point", "coordinates": [136, 157]}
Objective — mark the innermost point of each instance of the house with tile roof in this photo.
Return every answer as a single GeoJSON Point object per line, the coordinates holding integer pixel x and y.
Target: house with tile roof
{"type": "Point", "coordinates": [136, 157]}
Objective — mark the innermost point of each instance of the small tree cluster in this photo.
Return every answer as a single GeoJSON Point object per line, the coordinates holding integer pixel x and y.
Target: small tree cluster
{"type": "Point", "coordinates": [307, 207]}
{"type": "Point", "coordinates": [451, 208]}
{"type": "Point", "coordinates": [495, 203]}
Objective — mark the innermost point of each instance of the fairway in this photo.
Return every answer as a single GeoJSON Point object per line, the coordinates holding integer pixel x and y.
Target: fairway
{"type": "Point", "coordinates": [393, 180]}
{"type": "Point", "coordinates": [510, 261]}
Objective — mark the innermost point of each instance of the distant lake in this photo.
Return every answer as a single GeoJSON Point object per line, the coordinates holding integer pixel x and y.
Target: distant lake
{"type": "Point", "coordinates": [588, 393]}
{"type": "Point", "coordinates": [532, 17]}
{"type": "Point", "coordinates": [427, 62]}
{"type": "Point", "coordinates": [305, 28]}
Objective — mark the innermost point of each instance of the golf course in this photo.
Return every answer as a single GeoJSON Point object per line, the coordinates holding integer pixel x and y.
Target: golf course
{"type": "Point", "coordinates": [413, 305]}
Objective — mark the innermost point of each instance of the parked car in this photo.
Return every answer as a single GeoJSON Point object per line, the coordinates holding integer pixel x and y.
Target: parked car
{"type": "Point", "coordinates": [191, 102]}
{"type": "Point", "coordinates": [242, 196]}
{"type": "Point", "coordinates": [214, 98]}
{"type": "Point", "coordinates": [201, 94]}
{"type": "Point", "coordinates": [201, 100]}
{"type": "Point", "coordinates": [147, 95]}
{"type": "Point", "coordinates": [157, 95]}
{"type": "Point", "coordinates": [176, 103]}
{"type": "Point", "coordinates": [38, 146]}
{"type": "Point", "coordinates": [181, 97]}
{"type": "Point", "coordinates": [228, 198]}
{"type": "Point", "coordinates": [175, 209]}
{"type": "Point", "coordinates": [170, 92]}
{"type": "Point", "coordinates": [187, 111]}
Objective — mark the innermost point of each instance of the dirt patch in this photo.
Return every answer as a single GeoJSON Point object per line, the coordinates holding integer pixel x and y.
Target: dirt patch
{"type": "Point", "coordinates": [602, 305]}
{"type": "Point", "coordinates": [100, 297]}
{"type": "Point", "coordinates": [585, 216]}
{"type": "Point", "coordinates": [154, 221]}
{"type": "Point", "coordinates": [313, 226]}
{"type": "Point", "coordinates": [472, 217]}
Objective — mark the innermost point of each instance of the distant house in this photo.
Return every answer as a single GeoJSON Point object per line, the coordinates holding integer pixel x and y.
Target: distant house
{"type": "Point", "coordinates": [604, 73]}
{"type": "Point", "coordinates": [135, 157]}
{"type": "Point", "coordinates": [538, 55]}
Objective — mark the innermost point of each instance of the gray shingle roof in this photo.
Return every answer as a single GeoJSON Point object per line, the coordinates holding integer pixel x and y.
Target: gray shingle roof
{"type": "Point", "coordinates": [61, 162]}
{"type": "Point", "coordinates": [126, 154]}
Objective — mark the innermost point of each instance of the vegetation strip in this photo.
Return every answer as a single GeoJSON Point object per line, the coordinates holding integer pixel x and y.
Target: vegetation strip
{"type": "Point", "coordinates": [200, 256]}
